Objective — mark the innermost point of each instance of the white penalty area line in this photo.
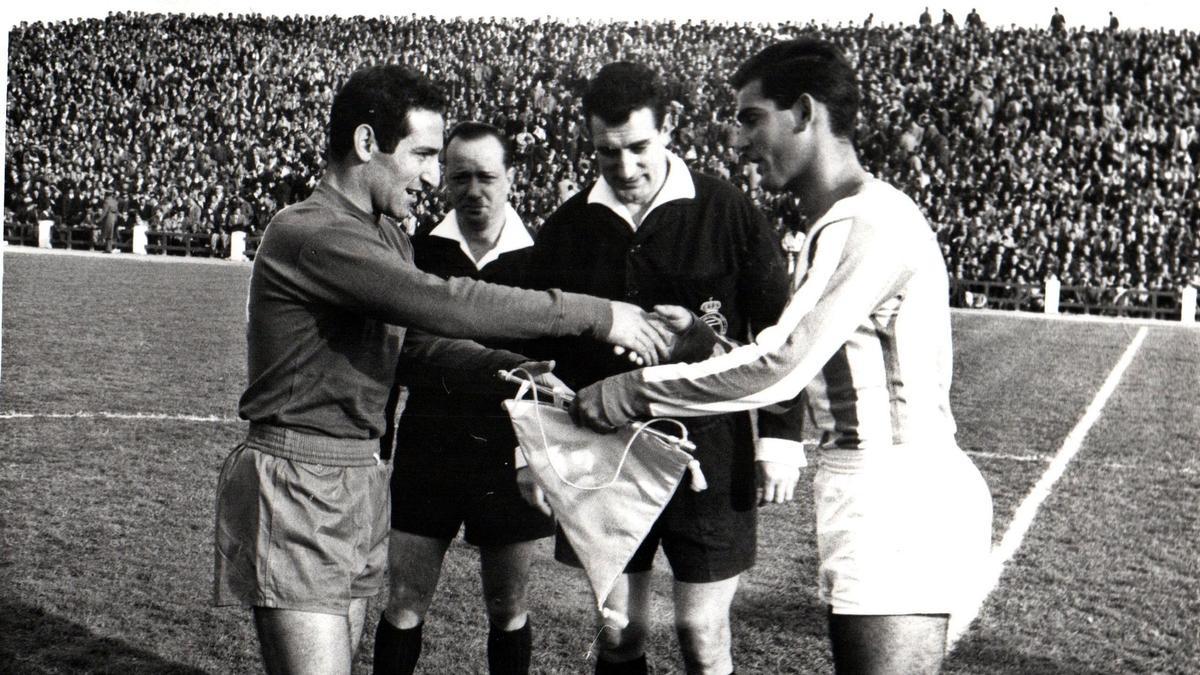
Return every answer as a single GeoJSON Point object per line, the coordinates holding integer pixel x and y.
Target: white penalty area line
{"type": "Point", "coordinates": [1023, 518]}
{"type": "Point", "coordinates": [168, 417]}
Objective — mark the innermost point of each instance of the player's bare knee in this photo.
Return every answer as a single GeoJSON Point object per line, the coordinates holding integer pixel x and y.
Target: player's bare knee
{"type": "Point", "coordinates": [620, 644]}
{"type": "Point", "coordinates": [704, 642]}
{"type": "Point", "coordinates": [406, 604]}
{"type": "Point", "coordinates": [507, 611]}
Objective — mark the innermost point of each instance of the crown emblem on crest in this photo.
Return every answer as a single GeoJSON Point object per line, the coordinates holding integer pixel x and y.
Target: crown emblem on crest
{"type": "Point", "coordinates": [712, 316]}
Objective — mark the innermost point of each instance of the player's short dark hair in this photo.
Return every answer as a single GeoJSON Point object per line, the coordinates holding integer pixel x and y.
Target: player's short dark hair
{"type": "Point", "coordinates": [381, 96]}
{"type": "Point", "coordinates": [473, 131]}
{"type": "Point", "coordinates": [806, 66]}
{"type": "Point", "coordinates": [622, 87]}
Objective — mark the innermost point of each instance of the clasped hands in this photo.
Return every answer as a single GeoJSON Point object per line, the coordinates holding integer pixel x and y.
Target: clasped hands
{"type": "Point", "coordinates": [655, 336]}
{"type": "Point", "coordinates": [647, 338]}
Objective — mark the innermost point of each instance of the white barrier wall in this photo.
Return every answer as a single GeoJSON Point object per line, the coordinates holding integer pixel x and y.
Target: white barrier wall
{"type": "Point", "coordinates": [44, 228]}
{"type": "Point", "coordinates": [140, 240]}
{"type": "Point", "coordinates": [237, 246]}
{"type": "Point", "coordinates": [1187, 305]}
{"type": "Point", "coordinates": [1053, 288]}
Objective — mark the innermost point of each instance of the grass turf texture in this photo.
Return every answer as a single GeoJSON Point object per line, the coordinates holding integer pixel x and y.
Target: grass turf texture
{"type": "Point", "coordinates": [106, 524]}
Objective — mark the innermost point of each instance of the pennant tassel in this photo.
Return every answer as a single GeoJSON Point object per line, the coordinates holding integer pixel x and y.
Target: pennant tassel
{"type": "Point", "coordinates": [698, 482]}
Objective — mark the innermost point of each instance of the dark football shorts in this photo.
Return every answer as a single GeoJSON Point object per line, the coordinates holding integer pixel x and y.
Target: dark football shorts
{"type": "Point", "coordinates": [708, 535]}
{"type": "Point", "coordinates": [297, 535]}
{"type": "Point", "coordinates": [434, 499]}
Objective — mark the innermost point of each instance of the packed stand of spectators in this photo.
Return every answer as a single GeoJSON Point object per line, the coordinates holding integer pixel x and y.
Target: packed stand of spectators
{"type": "Point", "coordinates": [1035, 152]}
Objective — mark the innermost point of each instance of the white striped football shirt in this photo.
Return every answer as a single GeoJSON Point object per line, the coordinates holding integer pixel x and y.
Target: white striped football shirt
{"type": "Point", "coordinates": [866, 335]}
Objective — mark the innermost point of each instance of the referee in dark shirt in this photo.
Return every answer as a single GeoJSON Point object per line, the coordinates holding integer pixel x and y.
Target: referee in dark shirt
{"type": "Point", "coordinates": [651, 231]}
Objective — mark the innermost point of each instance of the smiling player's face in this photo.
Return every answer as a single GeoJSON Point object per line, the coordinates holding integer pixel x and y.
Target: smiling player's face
{"type": "Point", "coordinates": [399, 177]}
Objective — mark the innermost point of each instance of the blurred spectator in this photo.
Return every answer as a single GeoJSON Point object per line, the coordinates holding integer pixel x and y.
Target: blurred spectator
{"type": "Point", "coordinates": [107, 220]}
{"type": "Point", "coordinates": [1058, 23]}
{"type": "Point", "coordinates": [974, 21]}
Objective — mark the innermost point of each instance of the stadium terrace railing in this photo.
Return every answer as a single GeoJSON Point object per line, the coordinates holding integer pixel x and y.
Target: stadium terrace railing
{"type": "Point", "coordinates": [1050, 298]}
{"type": "Point", "coordinates": [1054, 298]}
{"type": "Point", "coordinates": [252, 243]}
{"type": "Point", "coordinates": [191, 244]}
{"type": "Point", "coordinates": [139, 239]}
{"type": "Point", "coordinates": [21, 234]}
{"type": "Point", "coordinates": [75, 238]}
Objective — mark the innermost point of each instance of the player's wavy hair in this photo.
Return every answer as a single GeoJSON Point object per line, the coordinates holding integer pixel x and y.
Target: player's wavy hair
{"type": "Point", "coordinates": [473, 131]}
{"type": "Point", "coordinates": [806, 66]}
{"type": "Point", "coordinates": [380, 96]}
{"type": "Point", "coordinates": [622, 87]}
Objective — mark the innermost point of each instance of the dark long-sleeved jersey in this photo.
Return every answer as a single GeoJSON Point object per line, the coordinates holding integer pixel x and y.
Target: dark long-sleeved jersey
{"type": "Point", "coordinates": [332, 294]}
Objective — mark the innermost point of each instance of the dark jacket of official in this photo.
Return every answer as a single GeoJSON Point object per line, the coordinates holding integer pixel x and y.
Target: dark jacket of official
{"type": "Point", "coordinates": [713, 253]}
{"type": "Point", "coordinates": [452, 416]}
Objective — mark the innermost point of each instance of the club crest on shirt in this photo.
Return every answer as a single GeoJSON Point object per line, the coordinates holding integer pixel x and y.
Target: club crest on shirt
{"type": "Point", "coordinates": [713, 317]}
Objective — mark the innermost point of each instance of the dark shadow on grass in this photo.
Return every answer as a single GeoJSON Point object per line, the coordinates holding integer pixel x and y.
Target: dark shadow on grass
{"type": "Point", "coordinates": [801, 613]}
{"type": "Point", "coordinates": [35, 642]}
{"type": "Point", "coordinates": [982, 655]}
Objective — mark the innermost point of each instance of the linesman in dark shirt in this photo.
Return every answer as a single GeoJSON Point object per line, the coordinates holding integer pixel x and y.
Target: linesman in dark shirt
{"type": "Point", "coordinates": [454, 442]}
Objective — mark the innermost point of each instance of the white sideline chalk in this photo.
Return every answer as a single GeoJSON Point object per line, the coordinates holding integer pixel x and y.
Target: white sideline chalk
{"type": "Point", "coordinates": [170, 417]}
{"type": "Point", "coordinates": [1027, 511]}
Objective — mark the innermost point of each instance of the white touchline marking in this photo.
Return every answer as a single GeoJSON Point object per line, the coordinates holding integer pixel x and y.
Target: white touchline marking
{"type": "Point", "coordinates": [1008, 457]}
{"type": "Point", "coordinates": [171, 417]}
{"type": "Point", "coordinates": [1023, 517]}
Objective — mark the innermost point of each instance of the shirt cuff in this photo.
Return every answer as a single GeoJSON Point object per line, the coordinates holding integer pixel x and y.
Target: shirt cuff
{"type": "Point", "coordinates": [519, 459]}
{"type": "Point", "coordinates": [619, 397]}
{"type": "Point", "coordinates": [694, 344]}
{"type": "Point", "coordinates": [780, 450]}
{"type": "Point", "coordinates": [586, 315]}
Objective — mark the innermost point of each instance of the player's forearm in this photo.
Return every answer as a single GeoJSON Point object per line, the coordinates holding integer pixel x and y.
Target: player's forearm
{"type": "Point", "coordinates": [456, 358]}
{"type": "Point", "coordinates": [461, 307]}
{"type": "Point", "coordinates": [844, 289]}
{"type": "Point", "coordinates": [361, 275]}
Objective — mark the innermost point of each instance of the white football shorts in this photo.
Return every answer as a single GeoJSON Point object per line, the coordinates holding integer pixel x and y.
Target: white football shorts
{"type": "Point", "coordinates": [900, 530]}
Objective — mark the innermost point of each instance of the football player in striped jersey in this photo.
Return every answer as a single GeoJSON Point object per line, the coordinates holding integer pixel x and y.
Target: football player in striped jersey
{"type": "Point", "coordinates": [903, 516]}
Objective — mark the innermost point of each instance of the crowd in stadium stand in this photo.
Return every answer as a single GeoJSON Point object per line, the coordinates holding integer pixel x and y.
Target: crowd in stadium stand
{"type": "Point", "coordinates": [1035, 152]}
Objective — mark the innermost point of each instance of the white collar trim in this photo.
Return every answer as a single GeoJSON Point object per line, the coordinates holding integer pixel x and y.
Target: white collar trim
{"type": "Point", "coordinates": [678, 185]}
{"type": "Point", "coordinates": [513, 236]}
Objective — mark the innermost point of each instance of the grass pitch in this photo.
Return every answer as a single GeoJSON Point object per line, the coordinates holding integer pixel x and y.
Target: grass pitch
{"type": "Point", "coordinates": [106, 522]}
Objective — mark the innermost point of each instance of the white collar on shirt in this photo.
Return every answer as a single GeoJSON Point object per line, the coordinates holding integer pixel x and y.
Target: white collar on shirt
{"type": "Point", "coordinates": [678, 185]}
{"type": "Point", "coordinates": [513, 236]}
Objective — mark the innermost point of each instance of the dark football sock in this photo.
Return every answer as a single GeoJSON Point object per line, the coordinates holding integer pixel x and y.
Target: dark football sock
{"type": "Point", "coordinates": [396, 649]}
{"type": "Point", "coordinates": [509, 651]}
{"type": "Point", "coordinates": [635, 667]}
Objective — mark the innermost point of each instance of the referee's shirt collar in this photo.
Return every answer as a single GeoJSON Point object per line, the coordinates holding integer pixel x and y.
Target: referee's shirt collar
{"type": "Point", "coordinates": [678, 185]}
{"type": "Point", "coordinates": [513, 236]}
